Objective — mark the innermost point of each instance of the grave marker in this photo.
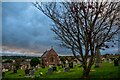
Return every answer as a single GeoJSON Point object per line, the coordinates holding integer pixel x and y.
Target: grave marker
{"type": "Point", "coordinates": [116, 62]}
{"type": "Point", "coordinates": [71, 65]}
{"type": "Point", "coordinates": [66, 69]}
{"type": "Point", "coordinates": [50, 71]}
{"type": "Point", "coordinates": [27, 72]}
{"type": "Point", "coordinates": [54, 68]}
{"type": "Point", "coordinates": [32, 71]}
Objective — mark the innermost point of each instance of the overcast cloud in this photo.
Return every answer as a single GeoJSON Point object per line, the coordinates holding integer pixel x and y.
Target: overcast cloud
{"type": "Point", "coordinates": [25, 26]}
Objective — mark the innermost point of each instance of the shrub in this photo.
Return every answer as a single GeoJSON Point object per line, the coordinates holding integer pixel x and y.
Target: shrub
{"type": "Point", "coordinates": [34, 62]}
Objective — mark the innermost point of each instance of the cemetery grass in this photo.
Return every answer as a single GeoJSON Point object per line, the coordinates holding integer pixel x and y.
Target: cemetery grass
{"type": "Point", "coordinates": [106, 70]}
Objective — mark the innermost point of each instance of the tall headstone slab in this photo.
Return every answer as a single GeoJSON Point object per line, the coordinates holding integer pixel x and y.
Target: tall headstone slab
{"type": "Point", "coordinates": [54, 68]}
{"type": "Point", "coordinates": [27, 72]}
{"type": "Point", "coordinates": [32, 71]}
{"type": "Point", "coordinates": [116, 63]}
{"type": "Point", "coordinates": [71, 65]}
{"type": "Point", "coordinates": [50, 71]}
{"type": "Point", "coordinates": [110, 61]}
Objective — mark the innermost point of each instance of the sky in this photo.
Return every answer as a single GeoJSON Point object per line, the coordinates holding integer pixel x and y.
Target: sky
{"type": "Point", "coordinates": [26, 29]}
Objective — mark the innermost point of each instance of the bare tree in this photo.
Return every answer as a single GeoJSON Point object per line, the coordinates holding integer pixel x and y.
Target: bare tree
{"type": "Point", "coordinates": [83, 27]}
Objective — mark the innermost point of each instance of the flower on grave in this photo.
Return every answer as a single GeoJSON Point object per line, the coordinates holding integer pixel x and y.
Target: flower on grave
{"type": "Point", "coordinates": [41, 73]}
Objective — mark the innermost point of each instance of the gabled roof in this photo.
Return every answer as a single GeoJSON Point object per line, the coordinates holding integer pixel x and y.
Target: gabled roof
{"type": "Point", "coordinates": [46, 52]}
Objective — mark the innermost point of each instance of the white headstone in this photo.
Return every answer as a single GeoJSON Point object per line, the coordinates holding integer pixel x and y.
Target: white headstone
{"type": "Point", "coordinates": [110, 61]}
{"type": "Point", "coordinates": [32, 72]}
{"type": "Point", "coordinates": [105, 60]}
{"type": "Point", "coordinates": [66, 62]}
{"type": "Point", "coordinates": [60, 62]}
{"type": "Point", "coordinates": [74, 63]}
{"type": "Point", "coordinates": [50, 66]}
{"type": "Point", "coordinates": [3, 70]}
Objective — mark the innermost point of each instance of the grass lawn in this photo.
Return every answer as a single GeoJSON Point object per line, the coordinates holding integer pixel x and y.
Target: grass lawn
{"type": "Point", "coordinates": [107, 70]}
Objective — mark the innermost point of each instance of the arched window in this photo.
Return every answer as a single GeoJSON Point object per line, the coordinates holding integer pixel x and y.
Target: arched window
{"type": "Point", "coordinates": [51, 59]}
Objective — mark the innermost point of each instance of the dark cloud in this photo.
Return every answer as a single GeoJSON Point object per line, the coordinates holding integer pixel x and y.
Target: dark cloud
{"type": "Point", "coordinates": [25, 26]}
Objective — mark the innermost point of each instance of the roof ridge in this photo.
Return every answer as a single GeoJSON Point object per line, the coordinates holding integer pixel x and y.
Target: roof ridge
{"type": "Point", "coordinates": [44, 53]}
{"type": "Point", "coordinates": [47, 51]}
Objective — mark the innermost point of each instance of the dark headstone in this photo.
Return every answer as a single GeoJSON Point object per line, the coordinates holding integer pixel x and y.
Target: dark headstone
{"type": "Point", "coordinates": [71, 65]}
{"type": "Point", "coordinates": [15, 71]}
{"type": "Point", "coordinates": [27, 71]}
{"type": "Point", "coordinates": [50, 71]}
{"type": "Point", "coordinates": [116, 62]}
{"type": "Point", "coordinates": [58, 65]}
{"type": "Point", "coordinates": [62, 66]}
{"type": "Point", "coordinates": [43, 66]}
{"type": "Point", "coordinates": [36, 68]}
{"type": "Point", "coordinates": [64, 62]}
{"type": "Point", "coordinates": [54, 68]}
{"type": "Point", "coordinates": [66, 69]}
{"type": "Point", "coordinates": [17, 67]}
{"type": "Point", "coordinates": [3, 74]}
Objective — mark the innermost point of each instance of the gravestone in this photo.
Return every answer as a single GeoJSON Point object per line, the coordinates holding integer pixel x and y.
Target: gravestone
{"type": "Point", "coordinates": [66, 61]}
{"type": "Point", "coordinates": [14, 70]}
{"type": "Point", "coordinates": [27, 72]}
{"type": "Point", "coordinates": [36, 68]}
{"type": "Point", "coordinates": [50, 71]}
{"type": "Point", "coordinates": [71, 65]}
{"type": "Point", "coordinates": [54, 68]}
{"type": "Point", "coordinates": [32, 71]}
{"type": "Point", "coordinates": [60, 62]}
{"type": "Point", "coordinates": [116, 62]}
{"type": "Point", "coordinates": [74, 63]}
{"type": "Point", "coordinates": [17, 67]}
{"type": "Point", "coordinates": [3, 73]}
{"type": "Point", "coordinates": [67, 65]}
{"type": "Point", "coordinates": [66, 69]}
{"type": "Point", "coordinates": [3, 70]}
{"type": "Point", "coordinates": [43, 66]}
{"type": "Point", "coordinates": [105, 60]}
{"type": "Point", "coordinates": [62, 65]}
{"type": "Point", "coordinates": [6, 69]}
{"type": "Point", "coordinates": [50, 66]}
{"type": "Point", "coordinates": [110, 61]}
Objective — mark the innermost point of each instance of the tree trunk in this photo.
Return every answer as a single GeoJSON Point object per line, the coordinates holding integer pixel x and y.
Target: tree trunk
{"type": "Point", "coordinates": [87, 68]}
{"type": "Point", "coordinates": [86, 73]}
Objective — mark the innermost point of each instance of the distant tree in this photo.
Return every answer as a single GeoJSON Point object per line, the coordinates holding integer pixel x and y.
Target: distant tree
{"type": "Point", "coordinates": [69, 58]}
{"type": "Point", "coordinates": [34, 62]}
{"type": "Point", "coordinates": [63, 59]}
{"type": "Point", "coordinates": [84, 27]}
{"type": "Point", "coordinates": [8, 61]}
{"type": "Point", "coordinates": [18, 62]}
